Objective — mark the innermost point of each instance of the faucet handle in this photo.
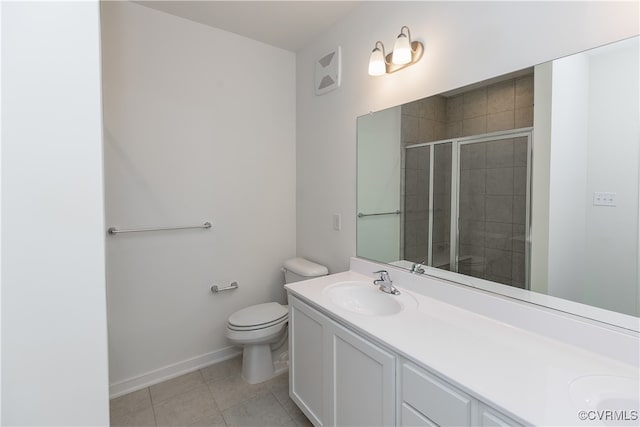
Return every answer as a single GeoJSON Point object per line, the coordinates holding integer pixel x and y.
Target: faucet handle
{"type": "Point", "coordinates": [384, 275]}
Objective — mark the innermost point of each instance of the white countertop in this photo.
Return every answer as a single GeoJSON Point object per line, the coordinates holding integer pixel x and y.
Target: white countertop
{"type": "Point", "coordinates": [523, 374]}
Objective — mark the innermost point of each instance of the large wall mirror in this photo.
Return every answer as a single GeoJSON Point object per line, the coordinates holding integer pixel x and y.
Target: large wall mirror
{"type": "Point", "coordinates": [526, 184]}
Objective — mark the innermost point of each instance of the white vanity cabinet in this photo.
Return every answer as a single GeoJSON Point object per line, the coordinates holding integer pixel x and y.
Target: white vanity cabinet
{"type": "Point", "coordinates": [337, 377]}
{"type": "Point", "coordinates": [340, 378]}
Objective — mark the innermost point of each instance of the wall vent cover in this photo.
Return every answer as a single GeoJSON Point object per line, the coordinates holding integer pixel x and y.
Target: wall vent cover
{"type": "Point", "coordinates": [328, 72]}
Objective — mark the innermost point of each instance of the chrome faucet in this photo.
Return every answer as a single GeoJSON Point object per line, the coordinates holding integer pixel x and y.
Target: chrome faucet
{"type": "Point", "coordinates": [385, 283]}
{"type": "Point", "coordinates": [417, 267]}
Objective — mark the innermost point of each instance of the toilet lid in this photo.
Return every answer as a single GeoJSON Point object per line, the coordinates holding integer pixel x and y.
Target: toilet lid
{"type": "Point", "coordinates": [257, 315]}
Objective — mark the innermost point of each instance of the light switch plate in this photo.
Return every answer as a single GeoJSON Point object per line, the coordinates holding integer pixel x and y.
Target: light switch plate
{"type": "Point", "coordinates": [337, 222]}
{"type": "Point", "coordinates": [604, 199]}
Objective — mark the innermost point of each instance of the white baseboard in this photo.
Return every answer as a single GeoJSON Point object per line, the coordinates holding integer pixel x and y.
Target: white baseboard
{"type": "Point", "coordinates": [171, 371]}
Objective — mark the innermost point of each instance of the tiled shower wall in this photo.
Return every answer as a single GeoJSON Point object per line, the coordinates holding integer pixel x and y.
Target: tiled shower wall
{"type": "Point", "coordinates": [493, 178]}
{"type": "Point", "coordinates": [500, 106]}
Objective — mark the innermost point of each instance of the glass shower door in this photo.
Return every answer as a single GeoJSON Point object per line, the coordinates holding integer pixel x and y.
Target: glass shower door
{"type": "Point", "coordinates": [493, 209]}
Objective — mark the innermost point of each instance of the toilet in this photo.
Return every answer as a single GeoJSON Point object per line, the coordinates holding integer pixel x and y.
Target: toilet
{"type": "Point", "coordinates": [262, 329]}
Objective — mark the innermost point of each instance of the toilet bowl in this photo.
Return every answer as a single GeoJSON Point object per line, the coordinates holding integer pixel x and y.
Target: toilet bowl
{"type": "Point", "coordinates": [262, 328]}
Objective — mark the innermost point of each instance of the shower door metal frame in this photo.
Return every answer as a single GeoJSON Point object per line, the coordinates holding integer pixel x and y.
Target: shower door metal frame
{"type": "Point", "coordinates": [454, 238]}
{"type": "Point", "coordinates": [431, 145]}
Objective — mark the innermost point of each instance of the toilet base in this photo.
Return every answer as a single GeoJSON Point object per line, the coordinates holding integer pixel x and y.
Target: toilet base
{"type": "Point", "coordinates": [258, 362]}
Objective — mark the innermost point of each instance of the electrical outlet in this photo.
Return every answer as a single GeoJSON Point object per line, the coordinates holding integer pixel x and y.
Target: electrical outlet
{"type": "Point", "coordinates": [604, 199]}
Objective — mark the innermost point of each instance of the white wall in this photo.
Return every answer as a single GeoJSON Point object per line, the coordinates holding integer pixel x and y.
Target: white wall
{"type": "Point", "coordinates": [465, 42]}
{"type": "Point", "coordinates": [379, 171]}
{"type": "Point", "coordinates": [199, 126]}
{"type": "Point", "coordinates": [593, 250]}
{"type": "Point", "coordinates": [568, 174]}
{"type": "Point", "coordinates": [54, 332]}
{"type": "Point", "coordinates": [613, 137]}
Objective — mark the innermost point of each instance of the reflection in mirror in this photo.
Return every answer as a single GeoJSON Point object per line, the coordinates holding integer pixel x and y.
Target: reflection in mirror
{"type": "Point", "coordinates": [447, 182]}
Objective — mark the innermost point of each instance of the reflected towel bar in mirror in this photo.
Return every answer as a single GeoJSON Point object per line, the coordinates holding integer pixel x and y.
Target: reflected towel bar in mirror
{"type": "Point", "coordinates": [114, 230]}
{"type": "Point", "coordinates": [360, 214]}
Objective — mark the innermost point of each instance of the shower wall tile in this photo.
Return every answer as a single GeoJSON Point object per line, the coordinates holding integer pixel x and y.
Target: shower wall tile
{"type": "Point", "coordinates": [441, 227]}
{"type": "Point", "coordinates": [518, 270]}
{"type": "Point", "coordinates": [502, 120]}
{"type": "Point", "coordinates": [519, 238]}
{"type": "Point", "coordinates": [442, 203]}
{"type": "Point", "coordinates": [434, 108]}
{"type": "Point", "coordinates": [411, 182]}
{"type": "Point", "coordinates": [500, 153]}
{"type": "Point", "coordinates": [500, 182]}
{"type": "Point", "coordinates": [472, 233]}
{"type": "Point", "coordinates": [472, 181]}
{"type": "Point", "coordinates": [423, 157]}
{"type": "Point", "coordinates": [410, 129]}
{"type": "Point", "coordinates": [471, 260]}
{"type": "Point", "coordinates": [520, 151]}
{"type": "Point", "coordinates": [473, 156]}
{"type": "Point", "coordinates": [454, 111]}
{"type": "Point", "coordinates": [473, 207]}
{"type": "Point", "coordinates": [411, 108]}
{"type": "Point", "coordinates": [412, 228]}
{"type": "Point", "coordinates": [453, 129]}
{"type": "Point", "coordinates": [519, 209]}
{"type": "Point", "coordinates": [501, 97]}
{"type": "Point", "coordinates": [416, 216]}
{"type": "Point", "coordinates": [499, 209]}
{"type": "Point", "coordinates": [475, 103]}
{"type": "Point", "coordinates": [411, 160]}
{"type": "Point", "coordinates": [411, 204]}
{"type": "Point", "coordinates": [524, 91]}
{"type": "Point", "coordinates": [441, 255]}
{"type": "Point", "coordinates": [443, 158]}
{"type": "Point", "coordinates": [520, 181]}
{"type": "Point", "coordinates": [524, 117]}
{"type": "Point", "coordinates": [422, 203]}
{"type": "Point", "coordinates": [499, 236]}
{"type": "Point", "coordinates": [431, 130]}
{"type": "Point", "coordinates": [474, 126]}
{"type": "Point", "coordinates": [498, 262]}
{"type": "Point", "coordinates": [422, 188]}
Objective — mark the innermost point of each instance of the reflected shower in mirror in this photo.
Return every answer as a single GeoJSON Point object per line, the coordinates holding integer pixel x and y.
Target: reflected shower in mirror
{"type": "Point", "coordinates": [456, 182]}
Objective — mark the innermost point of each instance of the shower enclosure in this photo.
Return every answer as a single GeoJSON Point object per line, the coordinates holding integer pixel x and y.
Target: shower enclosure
{"type": "Point", "coordinates": [466, 205]}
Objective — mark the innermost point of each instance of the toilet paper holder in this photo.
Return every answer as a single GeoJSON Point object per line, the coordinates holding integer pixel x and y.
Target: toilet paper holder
{"type": "Point", "coordinates": [215, 289]}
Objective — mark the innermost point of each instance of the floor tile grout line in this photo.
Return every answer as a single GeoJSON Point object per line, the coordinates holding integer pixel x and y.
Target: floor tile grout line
{"type": "Point", "coordinates": [286, 411]}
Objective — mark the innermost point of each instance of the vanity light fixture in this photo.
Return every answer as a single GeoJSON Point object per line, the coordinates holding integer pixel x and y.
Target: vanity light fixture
{"type": "Point", "coordinates": [405, 52]}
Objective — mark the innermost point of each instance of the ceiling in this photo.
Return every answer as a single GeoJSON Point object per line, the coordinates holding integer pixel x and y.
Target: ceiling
{"type": "Point", "coordinates": [288, 25]}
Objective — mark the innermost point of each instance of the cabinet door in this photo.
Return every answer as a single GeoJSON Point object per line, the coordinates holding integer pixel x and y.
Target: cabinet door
{"type": "Point", "coordinates": [307, 344]}
{"type": "Point", "coordinates": [362, 381]}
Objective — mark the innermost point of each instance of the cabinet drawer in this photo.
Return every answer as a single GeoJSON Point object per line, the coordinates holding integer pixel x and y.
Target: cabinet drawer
{"type": "Point", "coordinates": [413, 418]}
{"type": "Point", "coordinates": [492, 418]}
{"type": "Point", "coordinates": [437, 400]}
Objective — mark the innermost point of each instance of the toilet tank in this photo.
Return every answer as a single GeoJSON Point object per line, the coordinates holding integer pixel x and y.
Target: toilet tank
{"type": "Point", "coordinates": [296, 269]}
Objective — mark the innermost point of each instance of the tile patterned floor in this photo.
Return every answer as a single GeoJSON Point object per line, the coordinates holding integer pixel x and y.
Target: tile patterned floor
{"type": "Point", "coordinates": [215, 396]}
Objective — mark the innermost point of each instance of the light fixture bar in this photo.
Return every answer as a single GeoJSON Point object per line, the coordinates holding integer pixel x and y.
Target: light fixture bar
{"type": "Point", "coordinates": [405, 53]}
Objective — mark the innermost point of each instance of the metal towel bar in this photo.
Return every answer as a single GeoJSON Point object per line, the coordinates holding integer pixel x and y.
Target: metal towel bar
{"type": "Point", "coordinates": [215, 289]}
{"type": "Point", "coordinates": [360, 214]}
{"type": "Point", "coordinates": [114, 230]}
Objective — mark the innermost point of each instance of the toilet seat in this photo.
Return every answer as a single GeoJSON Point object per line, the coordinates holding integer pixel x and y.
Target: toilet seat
{"type": "Point", "coordinates": [256, 317]}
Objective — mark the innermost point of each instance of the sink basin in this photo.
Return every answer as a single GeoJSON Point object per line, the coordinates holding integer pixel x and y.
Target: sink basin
{"type": "Point", "coordinates": [607, 393]}
{"type": "Point", "coordinates": [364, 298]}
